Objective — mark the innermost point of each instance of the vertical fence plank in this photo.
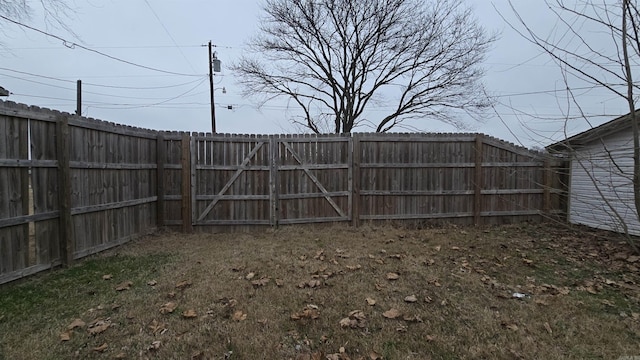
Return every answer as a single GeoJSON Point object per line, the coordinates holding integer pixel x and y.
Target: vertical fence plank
{"type": "Point", "coordinates": [186, 184]}
{"type": "Point", "coordinates": [28, 243]}
{"type": "Point", "coordinates": [273, 180]}
{"type": "Point", "coordinates": [477, 198]}
{"type": "Point", "coordinates": [65, 227]}
{"type": "Point", "coordinates": [161, 158]}
{"type": "Point", "coordinates": [546, 186]}
{"type": "Point", "coordinates": [355, 180]}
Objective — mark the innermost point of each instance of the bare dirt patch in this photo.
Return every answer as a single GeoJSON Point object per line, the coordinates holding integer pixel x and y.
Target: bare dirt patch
{"type": "Point", "coordinates": [336, 292]}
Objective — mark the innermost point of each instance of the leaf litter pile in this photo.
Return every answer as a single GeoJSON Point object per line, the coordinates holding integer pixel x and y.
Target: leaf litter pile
{"type": "Point", "coordinates": [336, 292]}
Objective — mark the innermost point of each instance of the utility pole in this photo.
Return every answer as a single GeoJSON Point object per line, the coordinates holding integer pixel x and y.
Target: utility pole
{"type": "Point", "coordinates": [214, 67]}
{"type": "Point", "coordinates": [79, 98]}
{"type": "Point", "coordinates": [213, 105]}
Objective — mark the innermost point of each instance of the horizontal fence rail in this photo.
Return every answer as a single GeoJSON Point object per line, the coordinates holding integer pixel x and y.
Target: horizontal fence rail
{"type": "Point", "coordinates": [72, 186]}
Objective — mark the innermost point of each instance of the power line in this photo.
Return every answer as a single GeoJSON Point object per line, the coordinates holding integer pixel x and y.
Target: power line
{"type": "Point", "coordinates": [111, 47]}
{"type": "Point", "coordinates": [169, 34]}
{"type": "Point", "coordinates": [101, 85]}
{"type": "Point", "coordinates": [137, 106]}
{"type": "Point", "coordinates": [72, 45]}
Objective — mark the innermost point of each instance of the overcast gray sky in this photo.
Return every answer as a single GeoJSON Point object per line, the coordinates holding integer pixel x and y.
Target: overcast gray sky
{"type": "Point", "coordinates": [169, 35]}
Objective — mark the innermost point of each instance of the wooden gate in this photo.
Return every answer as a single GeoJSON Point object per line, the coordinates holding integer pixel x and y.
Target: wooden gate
{"type": "Point", "coordinates": [314, 179]}
{"type": "Point", "coordinates": [270, 180]}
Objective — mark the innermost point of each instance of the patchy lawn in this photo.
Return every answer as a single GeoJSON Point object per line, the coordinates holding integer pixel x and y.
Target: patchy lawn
{"type": "Point", "coordinates": [336, 292]}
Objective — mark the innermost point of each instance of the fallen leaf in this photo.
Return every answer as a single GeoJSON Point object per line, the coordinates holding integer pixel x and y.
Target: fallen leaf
{"type": "Point", "coordinates": [370, 301]}
{"type": "Point", "coordinates": [183, 284]}
{"type": "Point", "coordinates": [279, 282]}
{"type": "Point", "coordinates": [101, 348]}
{"type": "Point", "coordinates": [261, 282]}
{"type": "Point", "coordinates": [411, 299]}
{"type": "Point", "coordinates": [107, 277]}
{"type": "Point", "coordinates": [124, 286]}
{"type": "Point", "coordinates": [156, 327]}
{"type": "Point", "coordinates": [527, 261]}
{"type": "Point", "coordinates": [437, 248]}
{"type": "Point", "coordinates": [392, 276]}
{"type": "Point", "coordinates": [355, 319]}
{"type": "Point", "coordinates": [154, 345]}
{"type": "Point", "coordinates": [239, 316]}
{"type": "Point", "coordinates": [168, 308]}
{"type": "Point", "coordinates": [152, 283]}
{"type": "Point", "coordinates": [430, 338]}
{"type": "Point", "coordinates": [354, 267]}
{"type": "Point", "coordinates": [374, 356]}
{"type": "Point", "coordinates": [412, 318]}
{"type": "Point", "coordinates": [608, 303]}
{"type": "Point", "coordinates": [313, 283]}
{"type": "Point", "coordinates": [189, 314]}
{"type": "Point", "coordinates": [98, 326]}
{"type": "Point", "coordinates": [633, 258]}
{"type": "Point", "coordinates": [65, 336]}
{"type": "Point", "coordinates": [308, 312]}
{"type": "Point", "coordinates": [171, 295]}
{"type": "Point", "coordinates": [512, 327]}
{"type": "Point", "coordinates": [391, 313]}
{"type": "Point", "coordinates": [76, 323]}
{"type": "Point", "coordinates": [250, 276]}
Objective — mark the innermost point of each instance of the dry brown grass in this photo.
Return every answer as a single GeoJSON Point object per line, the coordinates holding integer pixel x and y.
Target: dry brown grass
{"type": "Point", "coordinates": [582, 297]}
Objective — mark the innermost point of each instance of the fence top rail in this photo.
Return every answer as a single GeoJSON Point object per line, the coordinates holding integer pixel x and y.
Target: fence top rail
{"type": "Point", "coordinates": [10, 108]}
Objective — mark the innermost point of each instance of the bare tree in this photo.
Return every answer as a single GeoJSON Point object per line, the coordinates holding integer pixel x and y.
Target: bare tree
{"type": "Point", "coordinates": [597, 42]}
{"type": "Point", "coordinates": [337, 58]}
{"type": "Point", "coordinates": [56, 13]}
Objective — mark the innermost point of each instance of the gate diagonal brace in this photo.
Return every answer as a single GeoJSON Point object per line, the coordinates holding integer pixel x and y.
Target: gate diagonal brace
{"type": "Point", "coordinates": [235, 176]}
{"type": "Point", "coordinates": [314, 179]}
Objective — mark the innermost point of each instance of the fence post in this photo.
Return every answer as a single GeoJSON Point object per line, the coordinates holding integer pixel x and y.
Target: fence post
{"type": "Point", "coordinates": [161, 159]}
{"type": "Point", "coordinates": [65, 227]}
{"type": "Point", "coordinates": [187, 220]}
{"type": "Point", "coordinates": [477, 182]}
{"type": "Point", "coordinates": [355, 180]}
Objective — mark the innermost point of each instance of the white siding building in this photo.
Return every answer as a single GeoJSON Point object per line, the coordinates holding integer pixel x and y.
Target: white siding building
{"type": "Point", "coordinates": [600, 189]}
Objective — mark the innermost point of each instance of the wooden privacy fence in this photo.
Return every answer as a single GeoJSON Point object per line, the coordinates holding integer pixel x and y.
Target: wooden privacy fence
{"type": "Point", "coordinates": [238, 180]}
{"type": "Point", "coordinates": [71, 186]}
